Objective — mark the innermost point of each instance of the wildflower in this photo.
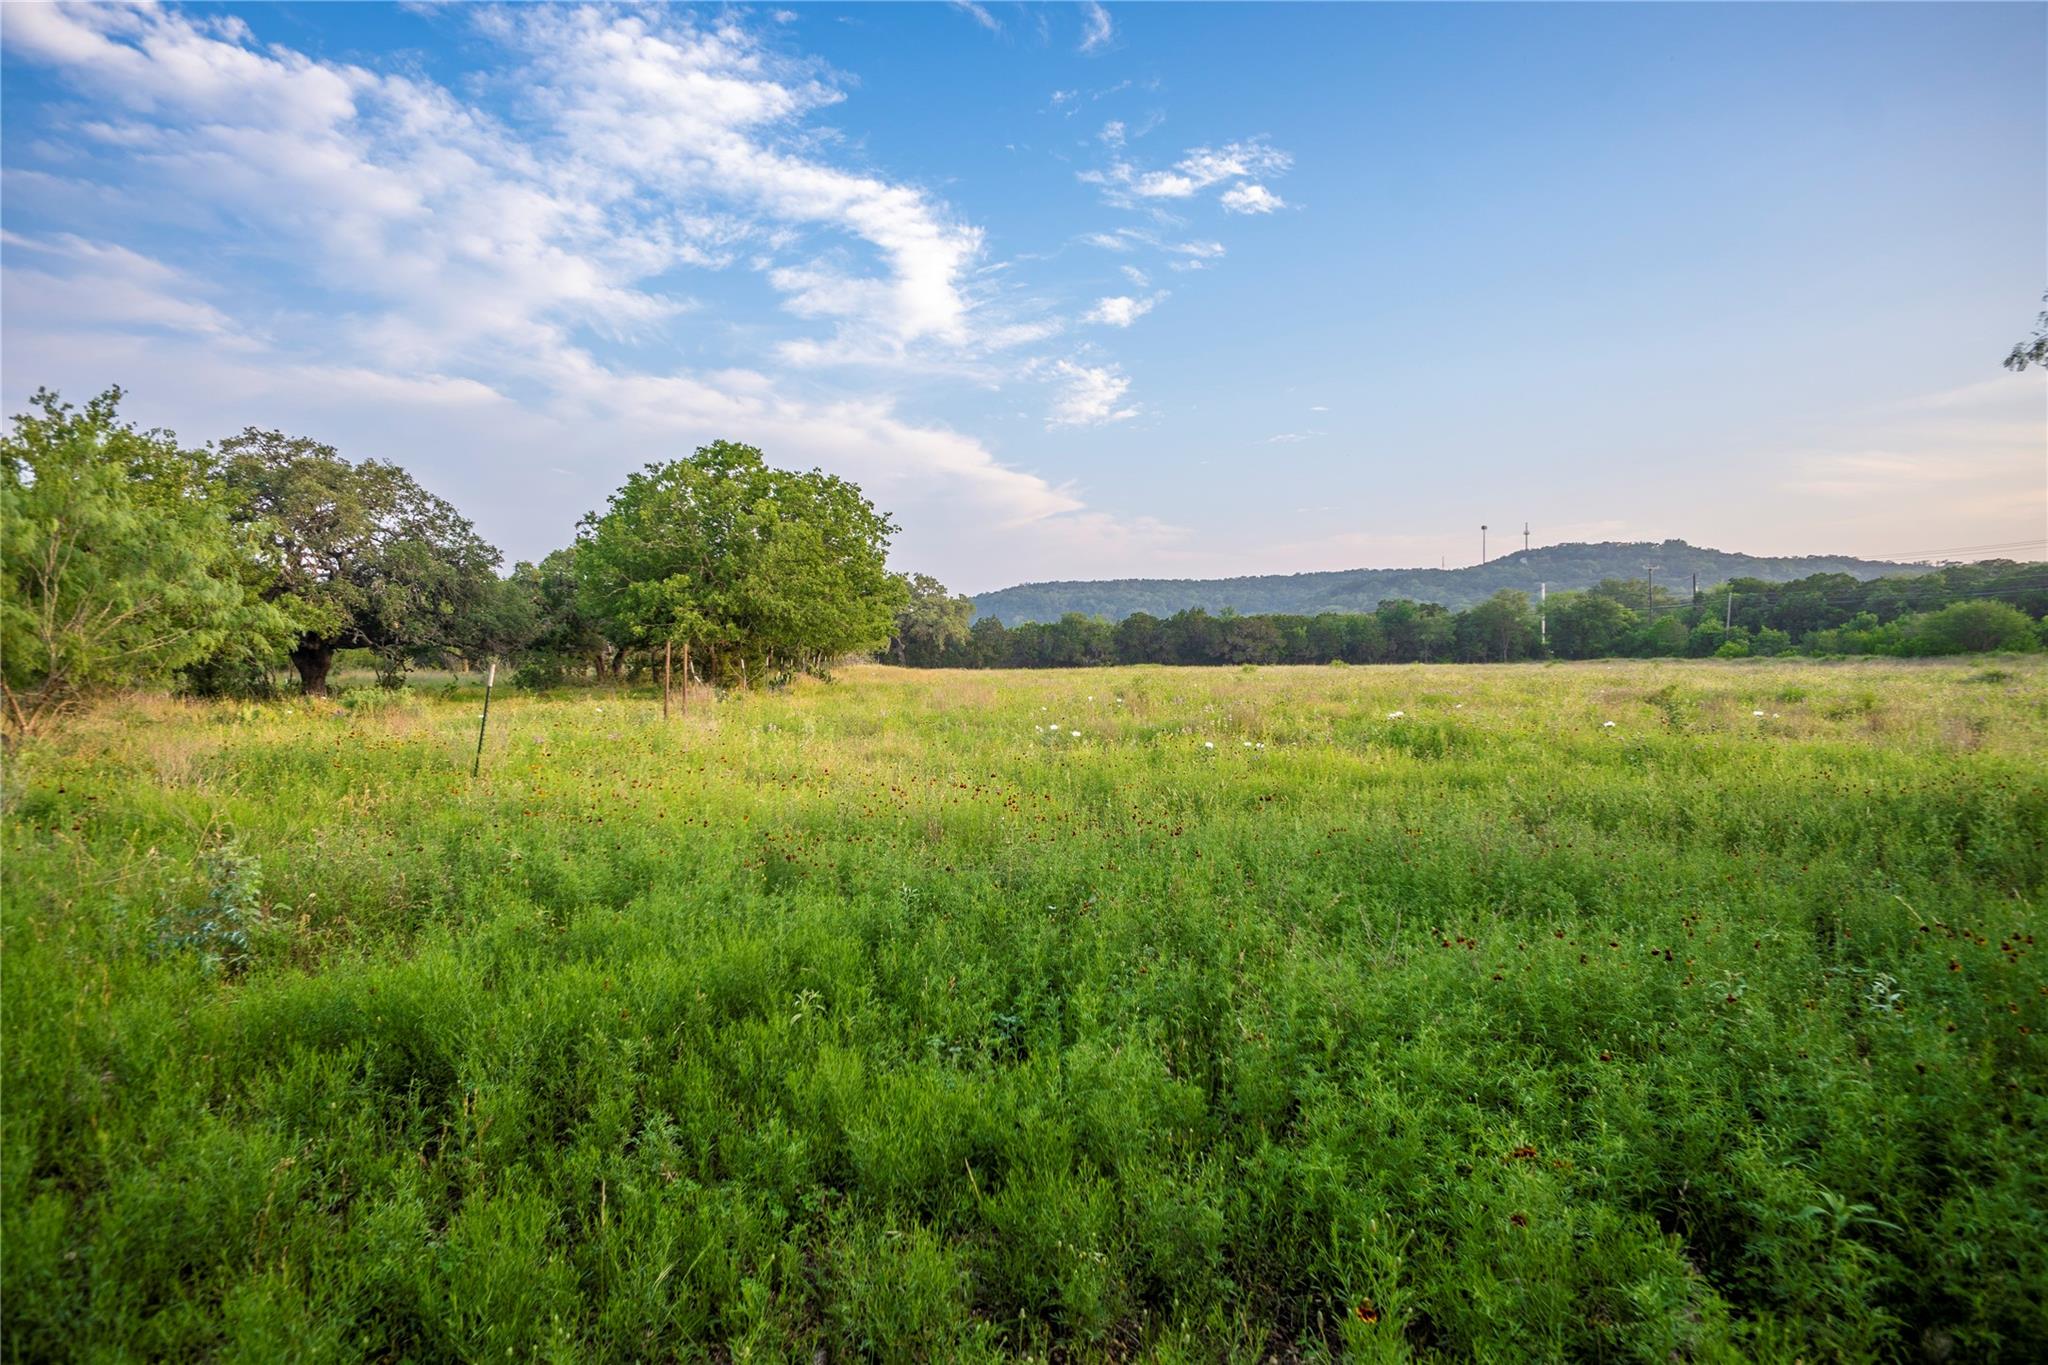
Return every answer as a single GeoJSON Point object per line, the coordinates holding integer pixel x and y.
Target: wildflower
{"type": "Point", "coordinates": [1208, 744]}
{"type": "Point", "coordinates": [1395, 715]}
{"type": "Point", "coordinates": [1247, 744]}
{"type": "Point", "coordinates": [1366, 1312]}
{"type": "Point", "coordinates": [1607, 725]}
{"type": "Point", "coordinates": [1756, 713]}
{"type": "Point", "coordinates": [1074, 733]}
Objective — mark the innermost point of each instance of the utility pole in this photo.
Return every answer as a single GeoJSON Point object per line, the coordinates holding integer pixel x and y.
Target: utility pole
{"type": "Point", "coordinates": [1729, 624]}
{"type": "Point", "coordinates": [1482, 542]}
{"type": "Point", "coordinates": [1542, 616]}
{"type": "Point", "coordinates": [1695, 588]}
{"type": "Point", "coordinates": [1650, 594]}
{"type": "Point", "coordinates": [1525, 537]}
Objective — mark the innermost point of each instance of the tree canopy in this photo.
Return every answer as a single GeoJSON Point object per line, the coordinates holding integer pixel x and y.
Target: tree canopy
{"type": "Point", "coordinates": [122, 562]}
{"type": "Point", "coordinates": [762, 571]}
{"type": "Point", "coordinates": [931, 621]}
{"type": "Point", "coordinates": [362, 556]}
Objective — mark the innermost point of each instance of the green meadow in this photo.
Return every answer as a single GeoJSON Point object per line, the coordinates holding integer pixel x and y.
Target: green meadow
{"type": "Point", "coordinates": [1408, 1013]}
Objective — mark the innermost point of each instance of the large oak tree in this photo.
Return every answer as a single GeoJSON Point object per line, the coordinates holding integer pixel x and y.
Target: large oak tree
{"type": "Point", "coordinates": [363, 555]}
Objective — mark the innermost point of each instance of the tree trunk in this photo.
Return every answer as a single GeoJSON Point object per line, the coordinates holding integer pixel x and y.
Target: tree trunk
{"type": "Point", "coordinates": [313, 658]}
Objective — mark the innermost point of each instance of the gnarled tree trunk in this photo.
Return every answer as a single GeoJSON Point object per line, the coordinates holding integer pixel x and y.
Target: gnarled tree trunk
{"type": "Point", "coordinates": [313, 658]}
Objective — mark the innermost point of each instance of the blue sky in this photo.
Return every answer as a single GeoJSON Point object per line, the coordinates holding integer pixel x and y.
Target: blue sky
{"type": "Point", "coordinates": [1074, 291]}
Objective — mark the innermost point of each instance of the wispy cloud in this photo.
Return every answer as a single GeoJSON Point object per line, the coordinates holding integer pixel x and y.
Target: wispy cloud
{"type": "Point", "coordinates": [978, 14]}
{"type": "Point", "coordinates": [1096, 31]}
{"type": "Point", "coordinates": [1121, 310]}
{"type": "Point", "coordinates": [519, 262]}
{"type": "Point", "coordinates": [1236, 164]}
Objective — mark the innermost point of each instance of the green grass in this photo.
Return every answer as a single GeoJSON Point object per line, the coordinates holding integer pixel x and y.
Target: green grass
{"type": "Point", "coordinates": [872, 1019]}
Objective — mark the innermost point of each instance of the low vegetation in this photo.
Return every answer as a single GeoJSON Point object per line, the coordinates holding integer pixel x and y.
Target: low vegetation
{"type": "Point", "coordinates": [1626, 1011]}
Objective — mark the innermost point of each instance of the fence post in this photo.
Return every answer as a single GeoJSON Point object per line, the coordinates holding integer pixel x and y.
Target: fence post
{"type": "Point", "coordinates": [477, 762]}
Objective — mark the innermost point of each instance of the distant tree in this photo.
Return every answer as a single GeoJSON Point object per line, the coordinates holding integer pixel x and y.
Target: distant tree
{"type": "Point", "coordinates": [1250, 640]}
{"type": "Point", "coordinates": [359, 554]}
{"type": "Point", "coordinates": [931, 622]}
{"type": "Point", "coordinates": [1140, 638]}
{"type": "Point", "coordinates": [1193, 637]}
{"type": "Point", "coordinates": [1588, 625]}
{"type": "Point", "coordinates": [1502, 627]}
{"type": "Point", "coordinates": [561, 637]}
{"type": "Point", "coordinates": [1664, 637]}
{"type": "Point", "coordinates": [988, 644]}
{"type": "Point", "coordinates": [1970, 628]}
{"type": "Point", "coordinates": [119, 563]}
{"type": "Point", "coordinates": [2034, 352]}
{"type": "Point", "coordinates": [761, 569]}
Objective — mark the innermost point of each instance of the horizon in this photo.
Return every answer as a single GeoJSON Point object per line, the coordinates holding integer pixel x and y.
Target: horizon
{"type": "Point", "coordinates": [2017, 552]}
{"type": "Point", "coordinates": [1075, 293]}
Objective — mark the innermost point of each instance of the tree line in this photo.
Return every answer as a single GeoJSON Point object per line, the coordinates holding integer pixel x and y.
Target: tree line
{"type": "Point", "coordinates": [129, 558]}
{"type": "Point", "coordinates": [1965, 608]}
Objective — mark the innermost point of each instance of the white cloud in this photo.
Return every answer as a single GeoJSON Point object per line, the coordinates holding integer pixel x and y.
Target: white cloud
{"type": "Point", "coordinates": [95, 283]}
{"type": "Point", "coordinates": [1121, 310]}
{"type": "Point", "coordinates": [1096, 31]}
{"type": "Point", "coordinates": [1195, 255]}
{"type": "Point", "coordinates": [1241, 166]}
{"type": "Point", "coordinates": [494, 284]}
{"type": "Point", "coordinates": [1113, 132]}
{"type": "Point", "coordinates": [1089, 396]}
{"type": "Point", "coordinates": [1135, 275]}
{"type": "Point", "coordinates": [978, 14]}
{"type": "Point", "coordinates": [1252, 198]}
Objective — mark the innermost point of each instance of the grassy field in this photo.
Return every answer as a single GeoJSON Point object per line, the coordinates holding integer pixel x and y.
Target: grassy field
{"type": "Point", "coordinates": [1504, 1013]}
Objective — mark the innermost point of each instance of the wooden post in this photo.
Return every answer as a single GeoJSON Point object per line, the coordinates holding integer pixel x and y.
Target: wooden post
{"type": "Point", "coordinates": [686, 675]}
{"type": "Point", "coordinates": [477, 762]}
{"type": "Point", "coordinates": [668, 649]}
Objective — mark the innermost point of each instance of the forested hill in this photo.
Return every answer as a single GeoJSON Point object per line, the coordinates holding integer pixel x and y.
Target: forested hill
{"type": "Point", "coordinates": [1561, 566]}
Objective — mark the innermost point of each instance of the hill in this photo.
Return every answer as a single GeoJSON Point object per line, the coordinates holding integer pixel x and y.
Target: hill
{"type": "Point", "coordinates": [1561, 566]}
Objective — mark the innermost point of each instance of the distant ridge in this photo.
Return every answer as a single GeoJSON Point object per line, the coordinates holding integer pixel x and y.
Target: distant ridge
{"type": "Point", "coordinates": [1575, 565]}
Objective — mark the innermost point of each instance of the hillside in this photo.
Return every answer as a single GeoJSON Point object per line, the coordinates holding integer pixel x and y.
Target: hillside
{"type": "Point", "coordinates": [1561, 566]}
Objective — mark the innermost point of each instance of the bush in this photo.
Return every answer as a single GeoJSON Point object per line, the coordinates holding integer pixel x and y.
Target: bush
{"type": "Point", "coordinates": [1970, 628]}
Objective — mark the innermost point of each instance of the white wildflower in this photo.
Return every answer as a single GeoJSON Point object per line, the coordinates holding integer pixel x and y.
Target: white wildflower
{"type": "Point", "coordinates": [1607, 725]}
{"type": "Point", "coordinates": [1075, 733]}
{"type": "Point", "coordinates": [1395, 715]}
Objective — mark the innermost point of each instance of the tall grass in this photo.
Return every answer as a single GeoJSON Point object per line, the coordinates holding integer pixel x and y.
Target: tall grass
{"type": "Point", "coordinates": [892, 1018]}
